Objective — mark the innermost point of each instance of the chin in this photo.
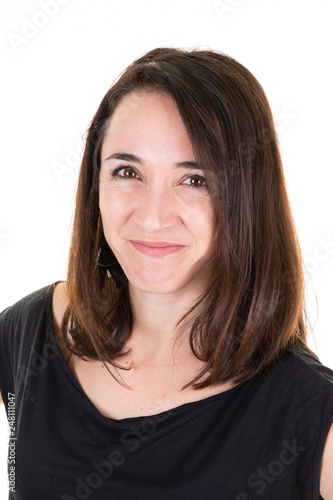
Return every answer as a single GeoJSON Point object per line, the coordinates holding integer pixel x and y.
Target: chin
{"type": "Point", "coordinates": [161, 283]}
{"type": "Point", "coordinates": [155, 286]}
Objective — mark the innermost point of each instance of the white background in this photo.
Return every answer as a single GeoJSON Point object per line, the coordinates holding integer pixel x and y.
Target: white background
{"type": "Point", "coordinates": [57, 66]}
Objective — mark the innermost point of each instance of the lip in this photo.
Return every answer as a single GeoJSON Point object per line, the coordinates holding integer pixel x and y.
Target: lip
{"type": "Point", "coordinates": [156, 248]}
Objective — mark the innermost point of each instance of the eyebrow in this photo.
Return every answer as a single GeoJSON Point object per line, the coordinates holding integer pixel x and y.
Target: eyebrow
{"type": "Point", "coordinates": [136, 159]}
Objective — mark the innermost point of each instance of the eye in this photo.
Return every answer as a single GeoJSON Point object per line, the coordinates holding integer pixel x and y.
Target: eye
{"type": "Point", "coordinates": [125, 173]}
{"type": "Point", "coordinates": [195, 181]}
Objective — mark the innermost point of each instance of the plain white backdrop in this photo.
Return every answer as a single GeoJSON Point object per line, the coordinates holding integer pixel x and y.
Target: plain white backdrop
{"type": "Point", "coordinates": [58, 59]}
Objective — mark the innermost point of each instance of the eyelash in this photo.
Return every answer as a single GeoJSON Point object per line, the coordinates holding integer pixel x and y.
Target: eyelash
{"type": "Point", "coordinates": [117, 170]}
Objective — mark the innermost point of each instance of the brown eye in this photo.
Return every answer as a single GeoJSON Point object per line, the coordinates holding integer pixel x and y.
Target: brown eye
{"type": "Point", "coordinates": [125, 173]}
{"type": "Point", "coordinates": [129, 173]}
{"type": "Point", "coordinates": [195, 181]}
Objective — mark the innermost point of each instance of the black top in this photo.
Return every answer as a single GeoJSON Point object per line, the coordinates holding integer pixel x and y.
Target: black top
{"type": "Point", "coordinates": [262, 439]}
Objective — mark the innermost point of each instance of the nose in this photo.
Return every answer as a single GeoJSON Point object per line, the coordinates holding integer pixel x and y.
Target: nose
{"type": "Point", "coordinates": [156, 210]}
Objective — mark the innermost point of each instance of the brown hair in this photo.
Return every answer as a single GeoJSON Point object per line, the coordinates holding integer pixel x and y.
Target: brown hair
{"type": "Point", "coordinates": [254, 308]}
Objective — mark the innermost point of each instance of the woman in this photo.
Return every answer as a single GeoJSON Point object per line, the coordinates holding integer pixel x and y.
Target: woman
{"type": "Point", "coordinates": [172, 363]}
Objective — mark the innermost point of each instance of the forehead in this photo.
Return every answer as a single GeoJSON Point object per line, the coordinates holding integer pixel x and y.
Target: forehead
{"type": "Point", "coordinates": [148, 101]}
{"type": "Point", "coordinates": [147, 118]}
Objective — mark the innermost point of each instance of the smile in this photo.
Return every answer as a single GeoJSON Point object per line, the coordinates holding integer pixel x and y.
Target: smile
{"type": "Point", "coordinates": [156, 248]}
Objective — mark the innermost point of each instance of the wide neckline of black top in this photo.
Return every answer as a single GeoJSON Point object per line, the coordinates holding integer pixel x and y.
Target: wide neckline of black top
{"type": "Point", "coordinates": [180, 408]}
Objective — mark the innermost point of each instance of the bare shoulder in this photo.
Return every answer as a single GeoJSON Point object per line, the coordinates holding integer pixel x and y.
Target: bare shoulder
{"type": "Point", "coordinates": [59, 303]}
{"type": "Point", "coordinates": [326, 479]}
{"type": "Point", "coordinates": [59, 306]}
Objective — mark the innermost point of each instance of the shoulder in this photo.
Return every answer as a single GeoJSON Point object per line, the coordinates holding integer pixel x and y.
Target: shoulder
{"type": "Point", "coordinates": [311, 394]}
{"type": "Point", "coordinates": [26, 320]}
{"type": "Point", "coordinates": [298, 390]}
{"type": "Point", "coordinates": [304, 385]}
{"type": "Point", "coordinates": [298, 380]}
{"type": "Point", "coordinates": [326, 478]}
{"type": "Point", "coordinates": [21, 322]}
{"type": "Point", "coordinates": [21, 326]}
{"type": "Point", "coordinates": [293, 403]}
{"type": "Point", "coordinates": [301, 370]}
{"type": "Point", "coordinates": [311, 363]}
{"type": "Point", "coordinates": [59, 303]}
{"type": "Point", "coordinates": [26, 309]}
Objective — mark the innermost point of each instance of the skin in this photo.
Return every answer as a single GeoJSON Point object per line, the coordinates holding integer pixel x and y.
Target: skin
{"type": "Point", "coordinates": [155, 203]}
{"type": "Point", "coordinates": [161, 200]}
{"type": "Point", "coordinates": [326, 476]}
{"type": "Point", "coordinates": [155, 200]}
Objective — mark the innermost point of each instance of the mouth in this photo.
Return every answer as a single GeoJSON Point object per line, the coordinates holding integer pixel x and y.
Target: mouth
{"type": "Point", "coordinates": [156, 248]}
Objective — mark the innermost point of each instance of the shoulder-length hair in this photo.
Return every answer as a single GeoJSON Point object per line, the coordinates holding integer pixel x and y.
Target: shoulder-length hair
{"type": "Point", "coordinates": [254, 307]}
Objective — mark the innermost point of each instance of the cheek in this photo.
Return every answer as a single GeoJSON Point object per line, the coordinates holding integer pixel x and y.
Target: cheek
{"type": "Point", "coordinates": [199, 217]}
{"type": "Point", "coordinates": [114, 207]}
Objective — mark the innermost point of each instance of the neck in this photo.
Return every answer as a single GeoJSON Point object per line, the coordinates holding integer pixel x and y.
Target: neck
{"type": "Point", "coordinates": [156, 335]}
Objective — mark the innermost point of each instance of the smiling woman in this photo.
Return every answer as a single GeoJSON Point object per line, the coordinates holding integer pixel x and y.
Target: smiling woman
{"type": "Point", "coordinates": [173, 362]}
{"type": "Point", "coordinates": [155, 204]}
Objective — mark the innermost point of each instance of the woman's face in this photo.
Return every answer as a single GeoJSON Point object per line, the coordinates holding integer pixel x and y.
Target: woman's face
{"type": "Point", "coordinates": [156, 209]}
